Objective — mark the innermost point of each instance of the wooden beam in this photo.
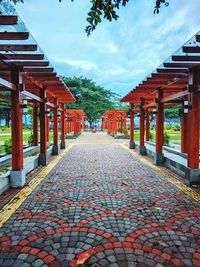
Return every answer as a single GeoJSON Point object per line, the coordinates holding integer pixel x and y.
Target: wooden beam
{"type": "Point", "coordinates": [14, 35]}
{"type": "Point", "coordinates": [182, 65]}
{"type": "Point", "coordinates": [38, 70]}
{"type": "Point", "coordinates": [174, 96]}
{"type": "Point", "coordinates": [153, 104]}
{"type": "Point", "coordinates": [7, 84]}
{"type": "Point", "coordinates": [186, 58]}
{"type": "Point", "coordinates": [17, 47]}
{"type": "Point", "coordinates": [30, 63]}
{"type": "Point", "coordinates": [8, 20]}
{"type": "Point", "coordinates": [6, 98]}
{"type": "Point", "coordinates": [22, 56]}
{"type": "Point", "coordinates": [191, 49]}
{"type": "Point", "coordinates": [172, 70]}
{"type": "Point", "coordinates": [32, 96]}
{"type": "Point", "coordinates": [43, 75]}
{"type": "Point", "coordinates": [49, 104]}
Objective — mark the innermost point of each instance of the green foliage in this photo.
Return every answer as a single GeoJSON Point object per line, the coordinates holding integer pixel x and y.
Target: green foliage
{"type": "Point", "coordinates": [166, 139]}
{"type": "Point", "coordinates": [8, 146]}
{"type": "Point", "coordinates": [151, 136]}
{"type": "Point", "coordinates": [30, 139]}
{"type": "Point", "coordinates": [177, 128]}
{"type": "Point", "coordinates": [93, 99]}
{"type": "Point", "coordinates": [106, 9]}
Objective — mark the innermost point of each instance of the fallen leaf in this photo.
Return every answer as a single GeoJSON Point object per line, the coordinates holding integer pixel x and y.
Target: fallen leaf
{"type": "Point", "coordinates": [82, 258]}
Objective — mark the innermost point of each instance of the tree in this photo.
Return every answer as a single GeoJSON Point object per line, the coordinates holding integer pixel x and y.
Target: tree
{"type": "Point", "coordinates": [5, 109]}
{"type": "Point", "coordinates": [106, 9]}
{"type": "Point", "coordinates": [93, 99]}
{"type": "Point", "coordinates": [172, 115]}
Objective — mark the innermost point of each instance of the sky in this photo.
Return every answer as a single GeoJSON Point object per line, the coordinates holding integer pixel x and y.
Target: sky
{"type": "Point", "coordinates": [118, 55]}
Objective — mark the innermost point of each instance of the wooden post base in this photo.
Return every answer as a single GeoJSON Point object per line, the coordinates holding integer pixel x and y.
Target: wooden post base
{"type": "Point", "coordinates": [159, 159]}
{"type": "Point", "coordinates": [132, 145]}
{"type": "Point", "coordinates": [55, 150]}
{"type": "Point", "coordinates": [192, 177]}
{"type": "Point", "coordinates": [142, 150]}
{"type": "Point", "coordinates": [43, 161]}
{"type": "Point", "coordinates": [17, 178]}
{"type": "Point", "coordinates": [62, 145]}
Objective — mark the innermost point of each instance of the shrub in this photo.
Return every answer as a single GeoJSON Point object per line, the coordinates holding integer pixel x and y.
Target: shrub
{"type": "Point", "coordinates": [168, 127]}
{"type": "Point", "coordinates": [8, 146]}
{"type": "Point", "coordinates": [177, 128]}
{"type": "Point", "coordinates": [166, 139]}
{"type": "Point", "coordinates": [151, 136]}
{"type": "Point", "coordinates": [30, 139]}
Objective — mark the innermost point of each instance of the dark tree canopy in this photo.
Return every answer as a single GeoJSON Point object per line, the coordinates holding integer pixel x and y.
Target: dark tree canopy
{"type": "Point", "coordinates": [106, 9]}
{"type": "Point", "coordinates": [93, 99]}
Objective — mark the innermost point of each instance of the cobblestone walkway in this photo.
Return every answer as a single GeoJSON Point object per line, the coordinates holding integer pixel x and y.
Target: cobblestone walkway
{"type": "Point", "coordinates": [101, 206]}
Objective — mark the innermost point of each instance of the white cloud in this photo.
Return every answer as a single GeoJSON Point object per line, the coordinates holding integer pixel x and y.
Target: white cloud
{"type": "Point", "coordinates": [118, 55]}
{"type": "Point", "coordinates": [85, 65]}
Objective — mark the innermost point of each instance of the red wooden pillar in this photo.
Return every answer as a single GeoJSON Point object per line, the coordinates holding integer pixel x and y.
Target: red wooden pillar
{"type": "Point", "coordinates": [124, 121]}
{"type": "Point", "coordinates": [17, 174]}
{"type": "Point", "coordinates": [63, 123]}
{"type": "Point", "coordinates": [35, 125]}
{"type": "Point", "coordinates": [142, 148]}
{"type": "Point", "coordinates": [184, 131]}
{"type": "Point", "coordinates": [147, 126]}
{"type": "Point", "coordinates": [83, 124]}
{"type": "Point", "coordinates": [55, 128]}
{"type": "Point", "coordinates": [48, 120]}
{"type": "Point", "coordinates": [132, 140]}
{"type": "Point", "coordinates": [193, 119]}
{"type": "Point", "coordinates": [43, 129]}
{"type": "Point", "coordinates": [74, 125]}
{"type": "Point", "coordinates": [159, 158]}
{"type": "Point", "coordinates": [193, 172]}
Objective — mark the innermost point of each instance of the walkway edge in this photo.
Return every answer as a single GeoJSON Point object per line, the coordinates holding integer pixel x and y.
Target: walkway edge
{"type": "Point", "coordinates": [187, 190]}
{"type": "Point", "coordinates": [7, 211]}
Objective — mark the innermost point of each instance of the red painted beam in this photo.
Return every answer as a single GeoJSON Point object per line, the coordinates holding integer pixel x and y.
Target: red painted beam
{"type": "Point", "coordinates": [191, 49]}
{"type": "Point", "coordinates": [38, 70]}
{"type": "Point", "coordinates": [8, 20]}
{"type": "Point", "coordinates": [14, 35]}
{"type": "Point", "coordinates": [174, 96]}
{"type": "Point", "coordinates": [17, 47]}
{"type": "Point", "coordinates": [186, 58]}
{"type": "Point", "coordinates": [30, 63]}
{"type": "Point", "coordinates": [32, 96]}
{"type": "Point", "coordinates": [6, 98]}
{"type": "Point", "coordinates": [44, 75]}
{"type": "Point", "coordinates": [7, 84]}
{"type": "Point", "coordinates": [22, 56]}
{"type": "Point", "coordinates": [172, 70]}
{"type": "Point", "coordinates": [182, 65]}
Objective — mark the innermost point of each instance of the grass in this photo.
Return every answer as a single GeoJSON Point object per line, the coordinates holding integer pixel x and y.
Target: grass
{"type": "Point", "coordinates": [25, 139]}
{"type": "Point", "coordinates": [8, 130]}
{"type": "Point", "coordinates": [174, 136]}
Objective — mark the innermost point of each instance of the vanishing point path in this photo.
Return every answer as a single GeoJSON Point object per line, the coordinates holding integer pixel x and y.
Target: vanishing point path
{"type": "Point", "coordinates": [100, 205]}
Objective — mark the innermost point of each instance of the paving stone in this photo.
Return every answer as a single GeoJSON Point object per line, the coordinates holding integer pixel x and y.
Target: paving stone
{"type": "Point", "coordinates": [102, 199]}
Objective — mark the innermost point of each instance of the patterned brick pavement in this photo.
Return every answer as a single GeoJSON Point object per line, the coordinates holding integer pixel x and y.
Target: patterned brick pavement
{"type": "Point", "coordinates": [104, 206]}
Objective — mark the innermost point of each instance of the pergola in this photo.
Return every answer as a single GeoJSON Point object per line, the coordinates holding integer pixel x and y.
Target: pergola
{"type": "Point", "coordinates": [114, 121]}
{"type": "Point", "coordinates": [27, 74]}
{"type": "Point", "coordinates": [175, 82]}
{"type": "Point", "coordinates": [75, 120]}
